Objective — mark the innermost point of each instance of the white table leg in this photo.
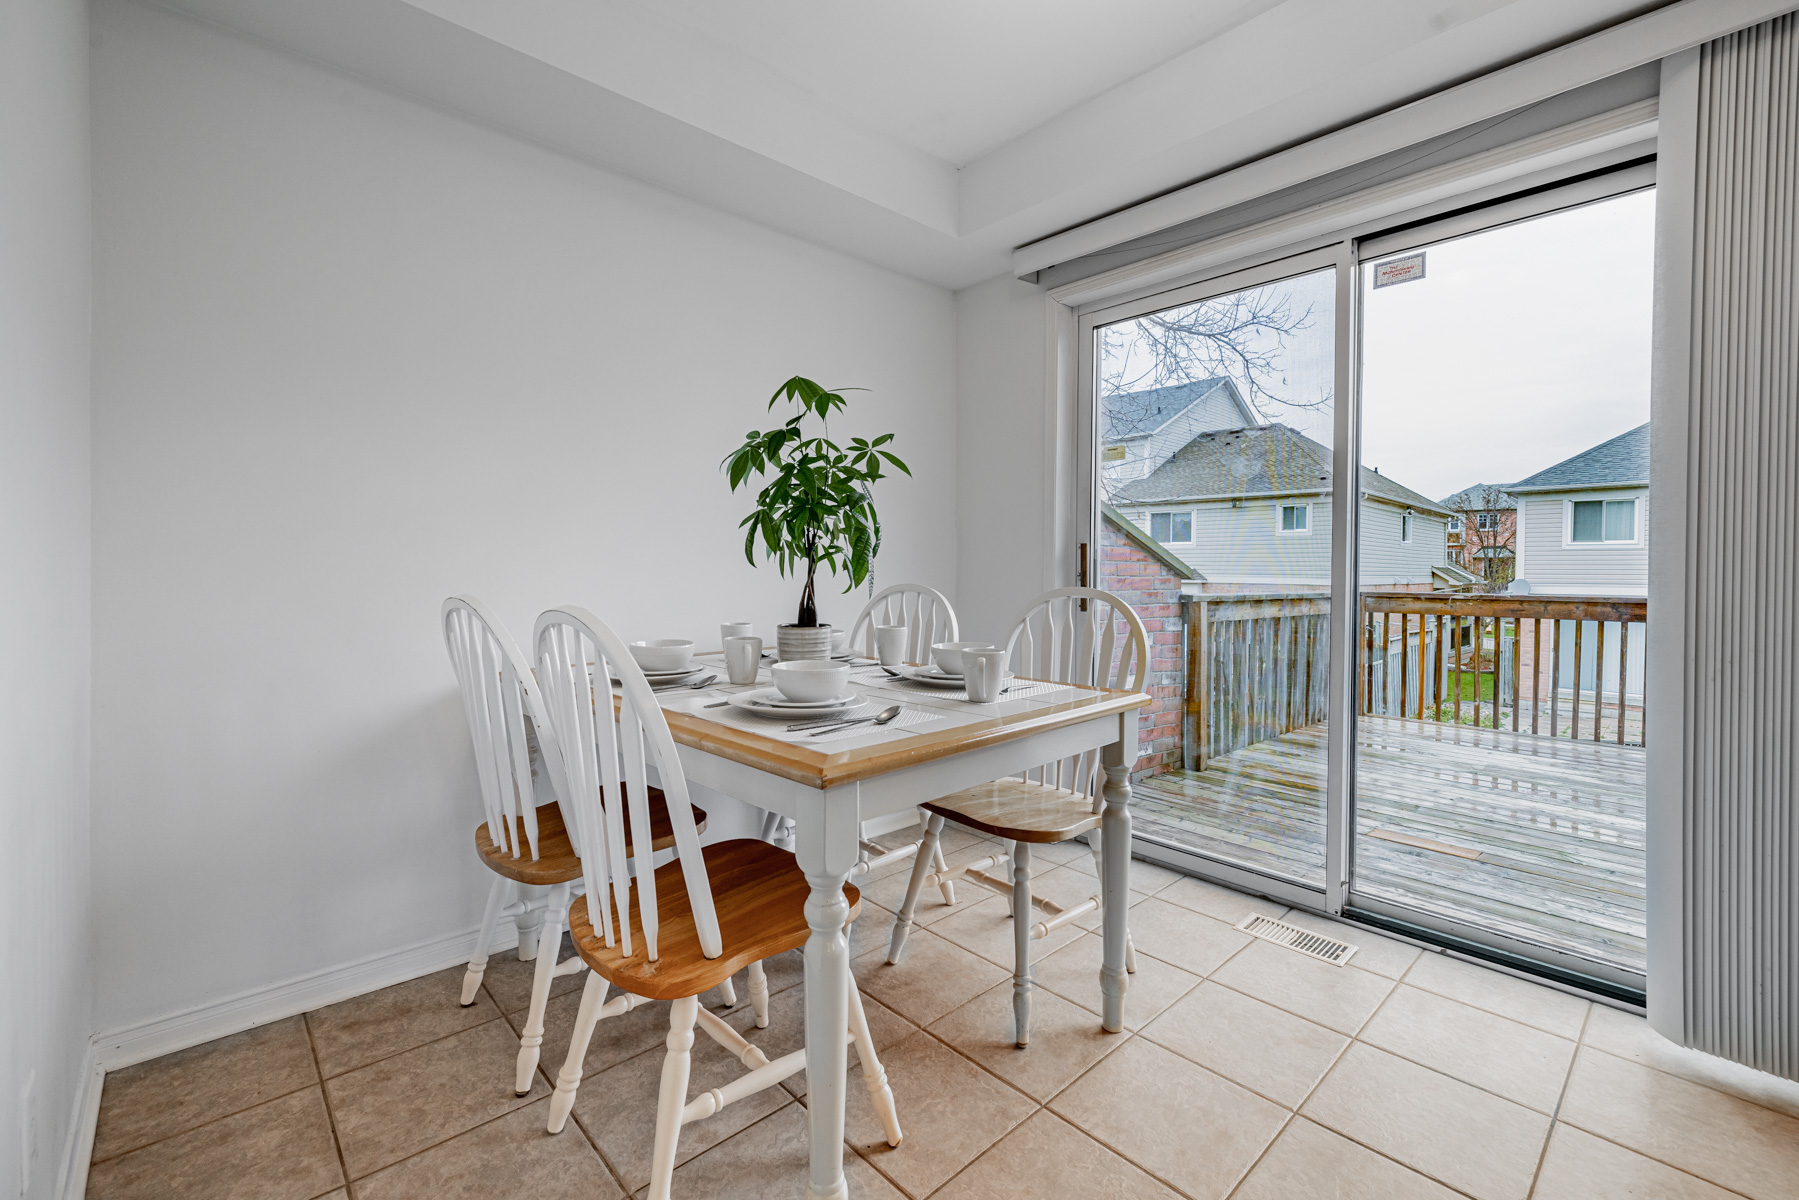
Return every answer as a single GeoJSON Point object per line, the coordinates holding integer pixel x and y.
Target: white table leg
{"type": "Point", "coordinates": [1115, 845]}
{"type": "Point", "coordinates": [828, 844]}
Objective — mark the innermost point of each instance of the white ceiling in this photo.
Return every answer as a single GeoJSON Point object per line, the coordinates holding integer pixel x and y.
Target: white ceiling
{"type": "Point", "coordinates": [932, 136]}
{"type": "Point", "coordinates": [952, 78]}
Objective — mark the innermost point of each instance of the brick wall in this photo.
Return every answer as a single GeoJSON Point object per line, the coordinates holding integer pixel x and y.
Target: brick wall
{"type": "Point", "coordinates": [1148, 585]}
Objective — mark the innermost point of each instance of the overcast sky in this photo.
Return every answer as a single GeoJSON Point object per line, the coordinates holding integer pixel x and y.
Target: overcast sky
{"type": "Point", "coordinates": [1520, 347]}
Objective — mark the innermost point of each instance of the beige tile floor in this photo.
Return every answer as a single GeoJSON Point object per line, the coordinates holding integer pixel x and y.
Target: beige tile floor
{"type": "Point", "coordinates": [1247, 1071]}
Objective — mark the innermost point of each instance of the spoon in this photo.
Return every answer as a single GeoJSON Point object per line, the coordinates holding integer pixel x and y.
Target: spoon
{"type": "Point", "coordinates": [880, 718]}
{"type": "Point", "coordinates": [703, 683]}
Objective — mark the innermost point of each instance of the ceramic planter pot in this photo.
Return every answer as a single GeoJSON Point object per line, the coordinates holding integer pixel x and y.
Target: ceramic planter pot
{"type": "Point", "coordinates": [796, 642]}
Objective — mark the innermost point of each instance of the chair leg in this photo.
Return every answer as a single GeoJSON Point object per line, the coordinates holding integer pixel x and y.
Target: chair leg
{"type": "Point", "coordinates": [1021, 942]}
{"type": "Point", "coordinates": [946, 887]}
{"type": "Point", "coordinates": [874, 1076]}
{"type": "Point", "coordinates": [921, 866]}
{"type": "Point", "coordinates": [759, 994]}
{"type": "Point", "coordinates": [727, 993]}
{"type": "Point", "coordinates": [529, 922]}
{"type": "Point", "coordinates": [477, 963]}
{"type": "Point", "coordinates": [673, 1098]}
{"type": "Point", "coordinates": [568, 1080]}
{"type": "Point", "coordinates": [548, 944]}
{"type": "Point", "coordinates": [1099, 866]}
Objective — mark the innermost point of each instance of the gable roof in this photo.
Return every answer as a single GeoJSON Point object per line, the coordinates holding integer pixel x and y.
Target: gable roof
{"type": "Point", "coordinates": [1621, 462]}
{"type": "Point", "coordinates": [1161, 553]}
{"type": "Point", "coordinates": [1260, 460]}
{"type": "Point", "coordinates": [1481, 497]}
{"type": "Point", "coordinates": [1135, 414]}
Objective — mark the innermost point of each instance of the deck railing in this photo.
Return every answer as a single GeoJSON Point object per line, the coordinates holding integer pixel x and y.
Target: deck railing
{"type": "Point", "coordinates": [1556, 666]}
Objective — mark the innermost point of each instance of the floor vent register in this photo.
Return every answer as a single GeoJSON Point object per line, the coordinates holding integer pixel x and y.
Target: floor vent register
{"type": "Point", "coordinates": [1325, 949]}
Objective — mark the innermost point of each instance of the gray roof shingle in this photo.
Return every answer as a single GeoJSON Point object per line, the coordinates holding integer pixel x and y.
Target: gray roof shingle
{"type": "Point", "coordinates": [1133, 414]}
{"type": "Point", "coordinates": [1621, 462]}
{"type": "Point", "coordinates": [1262, 460]}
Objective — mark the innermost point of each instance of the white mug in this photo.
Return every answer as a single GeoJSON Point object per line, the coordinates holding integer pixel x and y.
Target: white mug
{"type": "Point", "coordinates": [984, 674]}
{"type": "Point", "coordinates": [733, 629]}
{"type": "Point", "coordinates": [743, 658]}
{"type": "Point", "coordinates": [890, 644]}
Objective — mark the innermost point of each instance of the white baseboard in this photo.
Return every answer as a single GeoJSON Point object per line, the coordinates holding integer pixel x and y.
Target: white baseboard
{"type": "Point", "coordinates": [258, 1006]}
{"type": "Point", "coordinates": [71, 1174]}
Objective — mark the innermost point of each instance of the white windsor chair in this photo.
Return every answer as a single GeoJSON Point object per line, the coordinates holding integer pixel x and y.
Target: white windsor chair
{"type": "Point", "coordinates": [1081, 636]}
{"type": "Point", "coordinates": [533, 854]}
{"type": "Point", "coordinates": [697, 919]}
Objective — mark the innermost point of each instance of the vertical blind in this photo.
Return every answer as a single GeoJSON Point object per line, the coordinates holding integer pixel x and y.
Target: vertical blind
{"type": "Point", "coordinates": [1738, 914]}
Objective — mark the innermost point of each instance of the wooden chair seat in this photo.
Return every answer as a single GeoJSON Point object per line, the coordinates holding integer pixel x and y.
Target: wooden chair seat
{"type": "Point", "coordinates": [1020, 810]}
{"type": "Point", "coordinates": [556, 861]}
{"type": "Point", "coordinates": [760, 895]}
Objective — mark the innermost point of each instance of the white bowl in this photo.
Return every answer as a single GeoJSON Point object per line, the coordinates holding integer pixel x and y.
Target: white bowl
{"type": "Point", "coordinates": [811, 679]}
{"type": "Point", "coordinates": [663, 654]}
{"type": "Point", "coordinates": [840, 641]}
{"type": "Point", "coordinates": [948, 655]}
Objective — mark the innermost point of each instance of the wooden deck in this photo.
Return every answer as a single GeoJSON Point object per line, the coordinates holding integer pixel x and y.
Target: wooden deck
{"type": "Point", "coordinates": [1537, 838]}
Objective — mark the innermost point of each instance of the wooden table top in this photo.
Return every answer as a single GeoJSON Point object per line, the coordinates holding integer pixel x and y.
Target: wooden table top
{"type": "Point", "coordinates": [822, 768]}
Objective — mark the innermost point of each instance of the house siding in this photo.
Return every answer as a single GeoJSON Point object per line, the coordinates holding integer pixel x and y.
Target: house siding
{"type": "Point", "coordinates": [1242, 545]}
{"type": "Point", "coordinates": [1557, 570]}
{"type": "Point", "coordinates": [1387, 560]}
{"type": "Point", "coordinates": [1233, 547]}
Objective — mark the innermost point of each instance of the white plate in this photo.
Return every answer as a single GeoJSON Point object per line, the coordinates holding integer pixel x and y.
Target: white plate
{"type": "Point", "coordinates": [659, 678]}
{"type": "Point", "coordinates": [932, 677]}
{"type": "Point", "coordinates": [768, 702]}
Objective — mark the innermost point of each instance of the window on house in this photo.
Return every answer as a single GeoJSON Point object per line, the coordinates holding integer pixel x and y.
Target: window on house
{"type": "Point", "coordinates": [1483, 520]}
{"type": "Point", "coordinates": [1455, 524]}
{"type": "Point", "coordinates": [1295, 518]}
{"type": "Point", "coordinates": [1604, 521]}
{"type": "Point", "coordinates": [1405, 527]}
{"type": "Point", "coordinates": [1171, 527]}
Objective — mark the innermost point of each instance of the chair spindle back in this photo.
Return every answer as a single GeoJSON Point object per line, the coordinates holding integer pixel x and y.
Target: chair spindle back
{"type": "Point", "coordinates": [504, 708]}
{"type": "Point", "coordinates": [924, 612]}
{"type": "Point", "coordinates": [1085, 637]}
{"type": "Point", "coordinates": [606, 759]}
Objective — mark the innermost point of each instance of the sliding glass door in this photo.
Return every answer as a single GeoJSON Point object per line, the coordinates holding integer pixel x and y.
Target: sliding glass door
{"type": "Point", "coordinates": [1422, 456]}
{"type": "Point", "coordinates": [1215, 445]}
{"type": "Point", "coordinates": [1499, 773]}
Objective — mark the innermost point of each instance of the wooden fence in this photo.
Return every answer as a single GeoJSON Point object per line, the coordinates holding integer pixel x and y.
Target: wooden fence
{"type": "Point", "coordinates": [1556, 666]}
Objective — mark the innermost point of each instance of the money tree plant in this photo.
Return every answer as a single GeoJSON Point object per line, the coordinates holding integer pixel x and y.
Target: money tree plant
{"type": "Point", "coordinates": [816, 507]}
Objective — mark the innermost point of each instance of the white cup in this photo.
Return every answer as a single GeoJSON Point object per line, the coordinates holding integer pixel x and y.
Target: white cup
{"type": "Point", "coordinates": [984, 674]}
{"type": "Point", "coordinates": [840, 642]}
{"type": "Point", "coordinates": [890, 644]}
{"type": "Point", "coordinates": [733, 629]}
{"type": "Point", "coordinates": [743, 658]}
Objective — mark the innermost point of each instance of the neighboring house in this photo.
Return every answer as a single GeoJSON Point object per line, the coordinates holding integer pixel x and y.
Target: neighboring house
{"type": "Point", "coordinates": [1139, 431]}
{"type": "Point", "coordinates": [1582, 524]}
{"type": "Point", "coordinates": [1483, 532]}
{"type": "Point", "coordinates": [1251, 508]}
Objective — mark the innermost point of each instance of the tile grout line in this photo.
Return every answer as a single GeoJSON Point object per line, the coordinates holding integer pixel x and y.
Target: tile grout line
{"type": "Point", "coordinates": [1561, 1097]}
{"type": "Point", "coordinates": [1644, 1153]}
{"type": "Point", "coordinates": [209, 1121]}
{"type": "Point", "coordinates": [337, 1143]}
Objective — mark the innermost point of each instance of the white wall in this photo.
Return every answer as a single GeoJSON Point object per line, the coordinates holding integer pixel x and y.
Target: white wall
{"type": "Point", "coordinates": [1002, 526]}
{"type": "Point", "coordinates": [355, 355]}
{"type": "Point", "coordinates": [45, 922]}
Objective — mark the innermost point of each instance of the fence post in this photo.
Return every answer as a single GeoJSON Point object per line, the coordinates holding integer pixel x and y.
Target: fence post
{"type": "Point", "coordinates": [1193, 726]}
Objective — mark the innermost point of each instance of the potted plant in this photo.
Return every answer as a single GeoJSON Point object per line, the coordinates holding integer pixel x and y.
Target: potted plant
{"type": "Point", "coordinates": [816, 509]}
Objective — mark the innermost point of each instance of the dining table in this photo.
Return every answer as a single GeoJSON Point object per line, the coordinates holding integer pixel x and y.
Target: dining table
{"type": "Point", "coordinates": [830, 784]}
